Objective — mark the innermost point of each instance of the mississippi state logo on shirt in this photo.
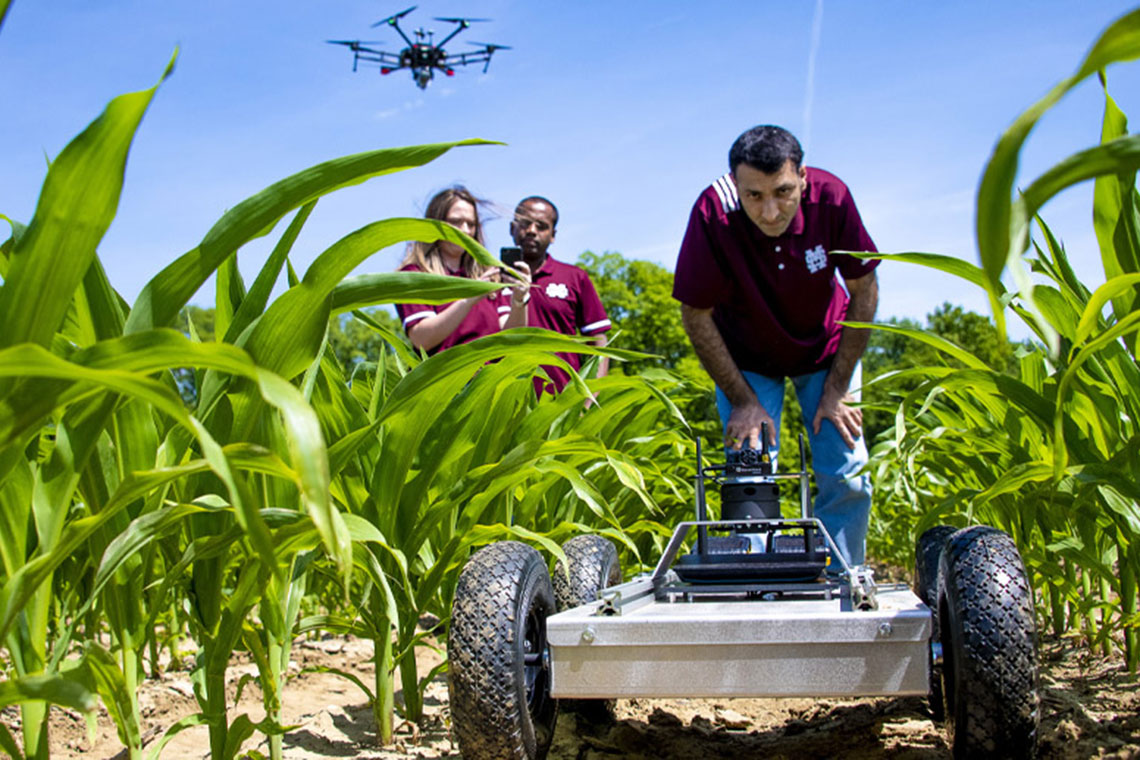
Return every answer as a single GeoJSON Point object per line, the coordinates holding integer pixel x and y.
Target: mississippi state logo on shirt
{"type": "Point", "coordinates": [557, 290]}
{"type": "Point", "coordinates": [815, 259]}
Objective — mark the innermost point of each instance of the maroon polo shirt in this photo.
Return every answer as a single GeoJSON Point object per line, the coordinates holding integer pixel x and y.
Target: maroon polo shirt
{"type": "Point", "coordinates": [483, 319]}
{"type": "Point", "coordinates": [775, 300]}
{"type": "Point", "coordinates": [563, 299]}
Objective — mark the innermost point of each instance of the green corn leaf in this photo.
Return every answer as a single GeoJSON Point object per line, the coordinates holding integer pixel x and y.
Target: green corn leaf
{"type": "Point", "coordinates": [97, 312]}
{"type": "Point", "coordinates": [1059, 312]}
{"type": "Point", "coordinates": [112, 687]}
{"type": "Point", "coordinates": [160, 349]}
{"type": "Point", "coordinates": [162, 297]}
{"type": "Point", "coordinates": [16, 484]}
{"type": "Point", "coordinates": [79, 199]}
{"type": "Point", "coordinates": [583, 489]}
{"type": "Point", "coordinates": [1063, 273]}
{"type": "Point", "coordinates": [369, 563]}
{"type": "Point", "coordinates": [242, 728]}
{"type": "Point", "coordinates": [143, 353]}
{"type": "Point", "coordinates": [1110, 210]}
{"type": "Point", "coordinates": [1110, 290]}
{"type": "Point", "coordinates": [396, 342]}
{"type": "Point", "coordinates": [245, 510]}
{"type": "Point", "coordinates": [20, 586]}
{"type": "Point", "coordinates": [405, 287]}
{"type": "Point", "coordinates": [253, 305]}
{"type": "Point", "coordinates": [228, 294]}
{"type": "Point", "coordinates": [30, 360]}
{"type": "Point", "coordinates": [7, 741]}
{"type": "Point", "coordinates": [1002, 225]}
{"type": "Point", "coordinates": [1120, 42]}
{"type": "Point", "coordinates": [425, 392]}
{"type": "Point", "coordinates": [931, 339]}
{"type": "Point", "coordinates": [307, 450]}
{"type": "Point", "coordinates": [346, 675]}
{"type": "Point", "coordinates": [1127, 326]}
{"type": "Point", "coordinates": [57, 689]}
{"type": "Point", "coordinates": [139, 534]}
{"type": "Point", "coordinates": [333, 624]}
{"type": "Point", "coordinates": [285, 340]}
{"type": "Point", "coordinates": [190, 721]}
{"type": "Point", "coordinates": [1012, 480]}
{"type": "Point", "coordinates": [237, 606]}
{"type": "Point", "coordinates": [1120, 156]}
{"type": "Point", "coordinates": [948, 264]}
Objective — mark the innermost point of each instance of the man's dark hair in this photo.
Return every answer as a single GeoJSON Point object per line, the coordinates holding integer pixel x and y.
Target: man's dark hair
{"type": "Point", "coordinates": [539, 199]}
{"type": "Point", "coordinates": [765, 148]}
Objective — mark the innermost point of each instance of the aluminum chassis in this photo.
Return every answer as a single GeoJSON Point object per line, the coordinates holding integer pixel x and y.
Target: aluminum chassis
{"type": "Point", "coordinates": [657, 636]}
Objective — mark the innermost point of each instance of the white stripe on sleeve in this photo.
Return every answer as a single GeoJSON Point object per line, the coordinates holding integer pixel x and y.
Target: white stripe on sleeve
{"type": "Point", "coordinates": [720, 193]}
{"type": "Point", "coordinates": [726, 189]}
{"type": "Point", "coordinates": [417, 317]}
{"type": "Point", "coordinates": [594, 327]}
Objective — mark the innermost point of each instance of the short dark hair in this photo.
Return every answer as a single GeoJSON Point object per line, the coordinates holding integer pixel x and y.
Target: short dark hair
{"type": "Point", "coordinates": [765, 148]}
{"type": "Point", "coordinates": [539, 199]}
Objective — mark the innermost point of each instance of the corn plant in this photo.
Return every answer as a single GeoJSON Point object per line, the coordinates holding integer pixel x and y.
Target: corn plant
{"type": "Point", "coordinates": [1048, 455]}
{"type": "Point", "coordinates": [450, 453]}
{"type": "Point", "coordinates": [105, 473]}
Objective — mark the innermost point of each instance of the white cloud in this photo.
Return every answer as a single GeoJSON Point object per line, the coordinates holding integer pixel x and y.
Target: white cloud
{"type": "Point", "coordinates": [406, 106]}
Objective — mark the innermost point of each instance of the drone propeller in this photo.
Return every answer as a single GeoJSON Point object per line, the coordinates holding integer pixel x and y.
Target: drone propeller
{"type": "Point", "coordinates": [396, 17]}
{"type": "Point", "coordinates": [491, 46]}
{"type": "Point", "coordinates": [463, 21]}
{"type": "Point", "coordinates": [352, 43]}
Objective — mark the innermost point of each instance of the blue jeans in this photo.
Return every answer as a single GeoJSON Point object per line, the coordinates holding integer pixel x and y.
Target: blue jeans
{"type": "Point", "coordinates": [843, 498]}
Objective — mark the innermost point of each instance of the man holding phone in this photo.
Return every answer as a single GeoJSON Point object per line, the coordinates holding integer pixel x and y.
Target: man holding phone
{"type": "Point", "coordinates": [562, 297]}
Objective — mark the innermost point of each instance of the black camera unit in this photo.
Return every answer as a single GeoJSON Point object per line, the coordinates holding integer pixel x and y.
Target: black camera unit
{"type": "Point", "coordinates": [747, 490]}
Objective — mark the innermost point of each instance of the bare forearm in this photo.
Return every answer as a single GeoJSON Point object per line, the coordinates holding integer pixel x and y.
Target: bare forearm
{"type": "Point", "coordinates": [516, 317]}
{"type": "Point", "coordinates": [710, 348]}
{"type": "Point", "coordinates": [603, 361]}
{"type": "Point", "coordinates": [431, 331]}
{"type": "Point", "coordinates": [853, 341]}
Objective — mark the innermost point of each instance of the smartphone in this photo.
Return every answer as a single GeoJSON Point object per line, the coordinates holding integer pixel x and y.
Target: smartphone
{"type": "Point", "coordinates": [510, 255]}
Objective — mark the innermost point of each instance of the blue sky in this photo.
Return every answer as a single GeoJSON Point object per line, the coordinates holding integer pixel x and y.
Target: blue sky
{"type": "Point", "coordinates": [619, 112]}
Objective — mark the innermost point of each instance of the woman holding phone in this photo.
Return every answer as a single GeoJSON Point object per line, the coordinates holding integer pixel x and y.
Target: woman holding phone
{"type": "Point", "coordinates": [434, 327]}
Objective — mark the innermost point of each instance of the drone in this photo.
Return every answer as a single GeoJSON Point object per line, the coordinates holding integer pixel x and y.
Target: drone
{"type": "Point", "coordinates": [422, 57]}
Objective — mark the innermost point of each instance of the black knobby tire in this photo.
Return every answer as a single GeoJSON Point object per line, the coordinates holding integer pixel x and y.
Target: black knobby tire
{"type": "Point", "coordinates": [927, 554]}
{"type": "Point", "coordinates": [499, 678]}
{"type": "Point", "coordinates": [989, 646]}
{"type": "Point", "coordinates": [594, 565]}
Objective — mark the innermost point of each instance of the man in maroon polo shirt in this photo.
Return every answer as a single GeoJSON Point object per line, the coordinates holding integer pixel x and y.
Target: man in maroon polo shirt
{"type": "Point", "coordinates": [761, 302]}
{"type": "Point", "coordinates": [562, 297]}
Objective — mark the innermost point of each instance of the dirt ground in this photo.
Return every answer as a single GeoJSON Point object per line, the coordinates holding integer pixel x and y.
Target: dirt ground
{"type": "Point", "coordinates": [1090, 708]}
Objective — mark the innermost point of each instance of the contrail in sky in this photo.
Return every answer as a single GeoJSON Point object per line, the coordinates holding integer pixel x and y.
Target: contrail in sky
{"type": "Point", "coordinates": [809, 95]}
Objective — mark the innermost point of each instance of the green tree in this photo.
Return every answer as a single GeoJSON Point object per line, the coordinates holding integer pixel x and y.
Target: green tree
{"type": "Point", "coordinates": [890, 352]}
{"type": "Point", "coordinates": [638, 296]}
{"type": "Point", "coordinates": [202, 322]}
{"type": "Point", "coordinates": [202, 319]}
{"type": "Point", "coordinates": [353, 341]}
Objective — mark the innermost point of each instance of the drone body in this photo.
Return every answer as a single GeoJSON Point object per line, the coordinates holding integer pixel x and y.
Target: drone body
{"type": "Point", "coordinates": [423, 57]}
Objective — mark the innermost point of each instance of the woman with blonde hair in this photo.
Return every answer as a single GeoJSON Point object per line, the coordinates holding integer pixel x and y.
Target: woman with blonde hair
{"type": "Point", "coordinates": [434, 327]}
